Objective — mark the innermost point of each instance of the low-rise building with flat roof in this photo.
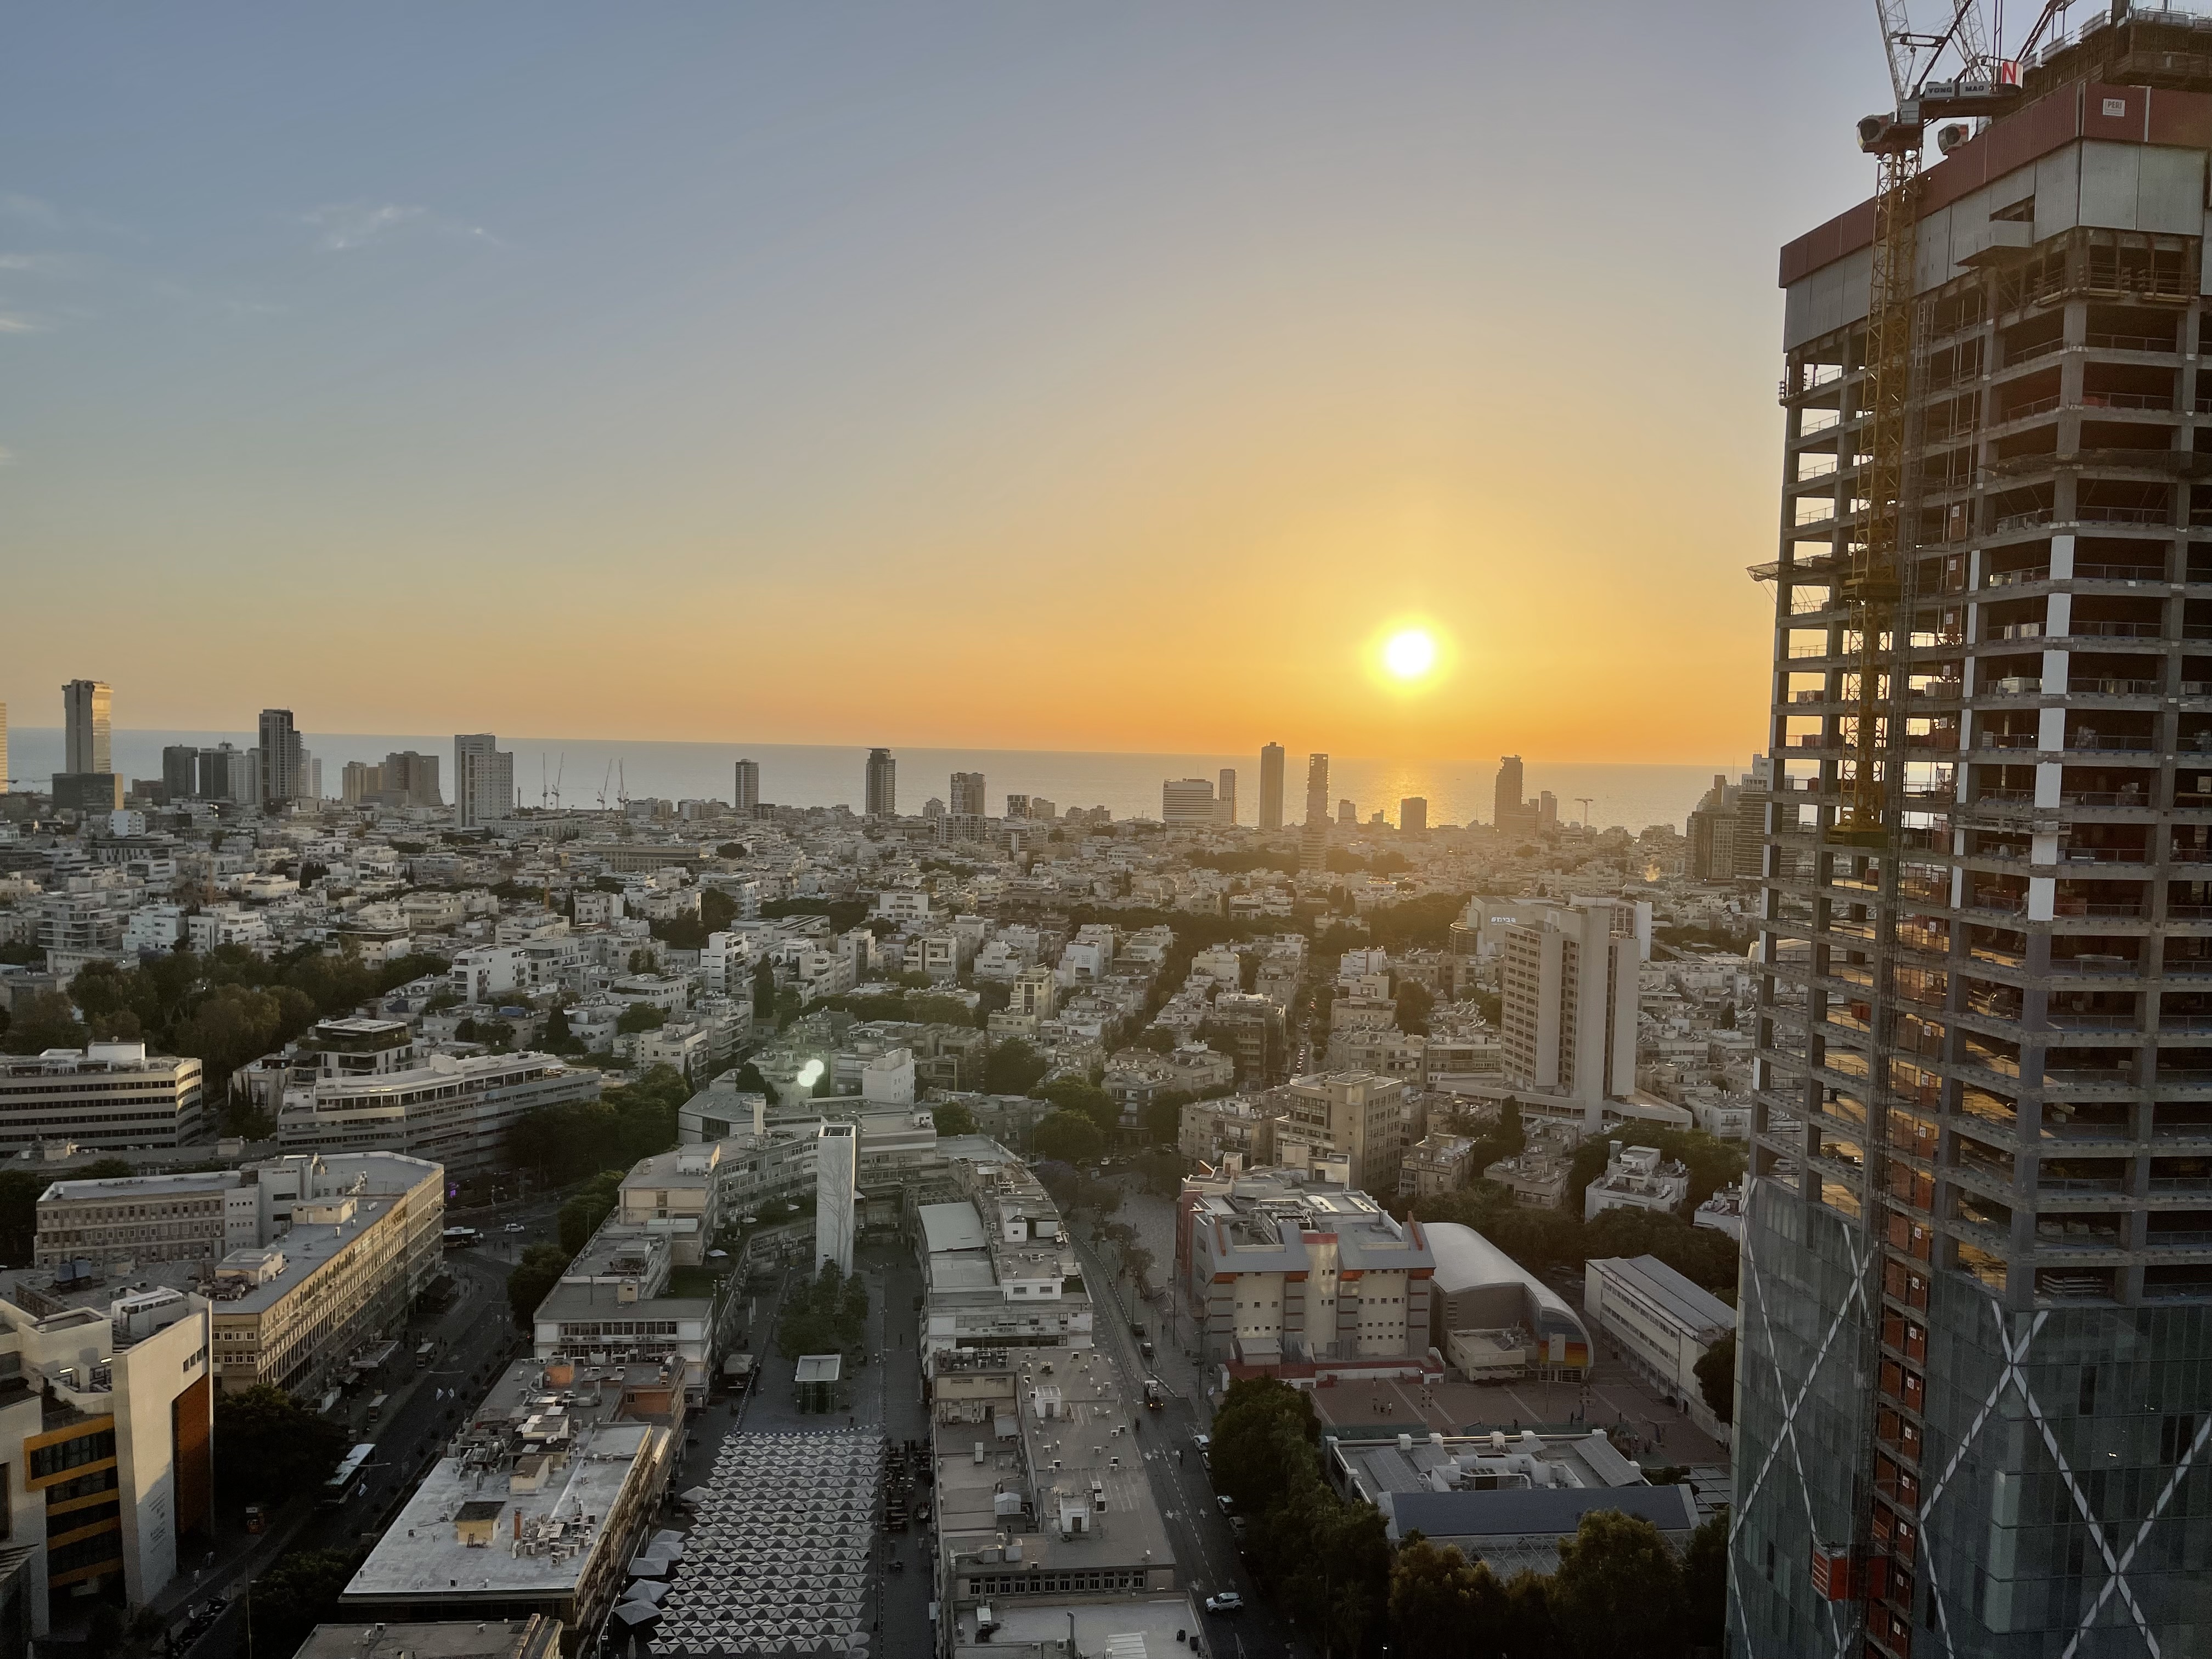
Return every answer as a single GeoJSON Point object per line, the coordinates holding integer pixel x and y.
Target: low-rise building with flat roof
{"type": "Point", "coordinates": [537, 1511]}
{"type": "Point", "coordinates": [456, 1112]}
{"type": "Point", "coordinates": [1661, 1324]}
{"type": "Point", "coordinates": [616, 1304]}
{"type": "Point", "coordinates": [1637, 1178]}
{"type": "Point", "coordinates": [109, 1095]}
{"type": "Point", "coordinates": [533, 1637]}
{"type": "Point", "coordinates": [998, 1269]}
{"type": "Point", "coordinates": [306, 1262]}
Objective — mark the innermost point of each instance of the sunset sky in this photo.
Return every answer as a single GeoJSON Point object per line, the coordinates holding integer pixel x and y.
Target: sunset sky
{"type": "Point", "coordinates": [1116, 377]}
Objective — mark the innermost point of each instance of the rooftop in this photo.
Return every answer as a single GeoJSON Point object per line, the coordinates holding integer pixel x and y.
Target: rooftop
{"type": "Point", "coordinates": [1689, 1305]}
{"type": "Point", "coordinates": [531, 1493]}
{"type": "Point", "coordinates": [778, 1559]}
{"type": "Point", "coordinates": [151, 1186]}
{"type": "Point", "coordinates": [1513, 1529]}
{"type": "Point", "coordinates": [534, 1638]}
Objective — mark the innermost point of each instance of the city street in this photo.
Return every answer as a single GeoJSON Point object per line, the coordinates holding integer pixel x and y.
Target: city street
{"type": "Point", "coordinates": [475, 1336]}
{"type": "Point", "coordinates": [886, 1392]}
{"type": "Point", "coordinates": [1205, 1547]}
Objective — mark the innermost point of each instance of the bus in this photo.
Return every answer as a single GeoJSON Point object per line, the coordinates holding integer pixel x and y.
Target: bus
{"type": "Point", "coordinates": [350, 1475]}
{"type": "Point", "coordinates": [461, 1238]}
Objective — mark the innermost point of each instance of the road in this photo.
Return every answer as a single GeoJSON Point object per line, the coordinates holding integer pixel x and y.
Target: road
{"type": "Point", "coordinates": [1205, 1547]}
{"type": "Point", "coordinates": [476, 1336]}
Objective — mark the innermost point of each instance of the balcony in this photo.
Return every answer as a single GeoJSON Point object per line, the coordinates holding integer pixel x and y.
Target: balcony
{"type": "Point", "coordinates": [2128, 343]}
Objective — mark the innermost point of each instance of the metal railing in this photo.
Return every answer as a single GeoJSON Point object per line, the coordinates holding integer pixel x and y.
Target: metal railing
{"type": "Point", "coordinates": [2128, 343]}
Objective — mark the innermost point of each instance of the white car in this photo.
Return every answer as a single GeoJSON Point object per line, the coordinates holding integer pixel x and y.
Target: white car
{"type": "Point", "coordinates": [1227, 1602]}
{"type": "Point", "coordinates": [514, 1227]}
{"type": "Point", "coordinates": [1203, 1442]}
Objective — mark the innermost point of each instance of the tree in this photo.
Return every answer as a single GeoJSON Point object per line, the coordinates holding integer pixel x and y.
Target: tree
{"type": "Point", "coordinates": [556, 1037]}
{"type": "Point", "coordinates": [953, 1118]}
{"type": "Point", "coordinates": [1529, 1629]}
{"type": "Point", "coordinates": [1705, 1582]}
{"type": "Point", "coordinates": [1013, 1068]}
{"type": "Point", "coordinates": [1139, 1261]}
{"type": "Point", "coordinates": [298, 1592]}
{"type": "Point", "coordinates": [106, 1169]}
{"type": "Point", "coordinates": [830, 1315]}
{"type": "Point", "coordinates": [1073, 1094]}
{"type": "Point", "coordinates": [1265, 1429]}
{"type": "Point", "coordinates": [19, 1216]}
{"type": "Point", "coordinates": [46, 1020]}
{"type": "Point", "coordinates": [1618, 1594]}
{"type": "Point", "coordinates": [266, 1448]}
{"type": "Point", "coordinates": [1071, 1137]}
{"type": "Point", "coordinates": [1413, 1002]}
{"type": "Point", "coordinates": [581, 1215]}
{"type": "Point", "coordinates": [1160, 1119]}
{"type": "Point", "coordinates": [763, 989]}
{"type": "Point", "coordinates": [1716, 1374]}
{"type": "Point", "coordinates": [641, 1016]}
{"type": "Point", "coordinates": [1441, 1606]}
{"type": "Point", "coordinates": [1160, 1172]}
{"type": "Point", "coordinates": [539, 1271]}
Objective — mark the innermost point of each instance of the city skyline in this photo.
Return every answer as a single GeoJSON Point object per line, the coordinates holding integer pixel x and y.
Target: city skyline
{"type": "Point", "coordinates": [1228, 343]}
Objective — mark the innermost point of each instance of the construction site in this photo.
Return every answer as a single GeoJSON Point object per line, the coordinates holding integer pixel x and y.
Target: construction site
{"type": "Point", "coordinates": [1974, 1391]}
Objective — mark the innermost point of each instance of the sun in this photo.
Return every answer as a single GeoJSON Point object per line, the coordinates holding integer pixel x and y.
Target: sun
{"type": "Point", "coordinates": [1410, 654]}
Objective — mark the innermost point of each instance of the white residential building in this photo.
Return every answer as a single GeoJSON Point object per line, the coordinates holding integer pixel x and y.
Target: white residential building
{"type": "Point", "coordinates": [1637, 1177]}
{"type": "Point", "coordinates": [456, 1112]}
{"type": "Point", "coordinates": [1569, 1003]}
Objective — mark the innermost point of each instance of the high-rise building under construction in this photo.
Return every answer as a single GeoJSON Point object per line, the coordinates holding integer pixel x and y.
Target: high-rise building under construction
{"type": "Point", "coordinates": [1974, 1389]}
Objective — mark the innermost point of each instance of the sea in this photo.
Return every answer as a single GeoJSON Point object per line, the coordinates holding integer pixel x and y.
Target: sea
{"type": "Point", "coordinates": [585, 770]}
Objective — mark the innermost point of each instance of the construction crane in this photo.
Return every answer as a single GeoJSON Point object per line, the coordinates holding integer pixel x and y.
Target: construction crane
{"type": "Point", "coordinates": [1875, 584]}
{"type": "Point", "coordinates": [1586, 802]}
{"type": "Point", "coordinates": [603, 782]}
{"type": "Point", "coordinates": [559, 773]}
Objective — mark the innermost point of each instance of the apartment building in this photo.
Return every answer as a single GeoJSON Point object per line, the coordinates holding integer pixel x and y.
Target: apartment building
{"type": "Point", "coordinates": [1211, 1131]}
{"type": "Point", "coordinates": [455, 1112]}
{"type": "Point", "coordinates": [1290, 1275]}
{"type": "Point", "coordinates": [483, 781]}
{"type": "Point", "coordinates": [108, 1094]}
{"type": "Point", "coordinates": [1355, 1115]}
{"type": "Point", "coordinates": [106, 1425]}
{"type": "Point", "coordinates": [345, 1245]}
{"type": "Point", "coordinates": [1569, 999]}
{"type": "Point", "coordinates": [1436, 1164]}
{"type": "Point", "coordinates": [1637, 1178]}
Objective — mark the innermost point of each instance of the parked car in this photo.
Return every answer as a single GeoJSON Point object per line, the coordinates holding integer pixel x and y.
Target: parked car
{"type": "Point", "coordinates": [1203, 1442]}
{"type": "Point", "coordinates": [1228, 1506]}
{"type": "Point", "coordinates": [1227, 1602]}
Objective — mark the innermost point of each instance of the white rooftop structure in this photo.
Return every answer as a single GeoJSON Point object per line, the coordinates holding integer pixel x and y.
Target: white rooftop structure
{"type": "Point", "coordinates": [778, 1561]}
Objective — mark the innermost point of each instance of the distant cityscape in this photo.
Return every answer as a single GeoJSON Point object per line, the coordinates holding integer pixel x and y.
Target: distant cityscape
{"type": "Point", "coordinates": [911, 1021]}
